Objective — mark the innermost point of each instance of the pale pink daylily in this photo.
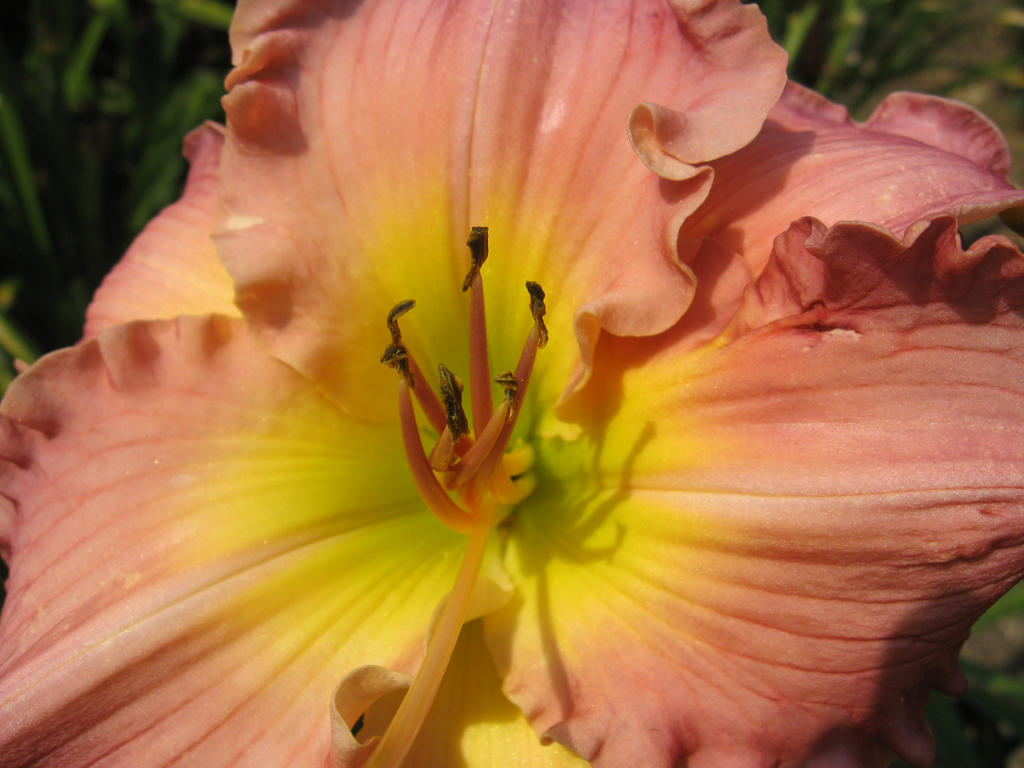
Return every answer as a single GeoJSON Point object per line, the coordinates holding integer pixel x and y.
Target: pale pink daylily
{"type": "Point", "coordinates": [766, 472]}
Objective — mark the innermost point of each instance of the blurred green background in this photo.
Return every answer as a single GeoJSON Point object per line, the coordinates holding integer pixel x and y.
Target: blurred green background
{"type": "Point", "coordinates": [96, 96]}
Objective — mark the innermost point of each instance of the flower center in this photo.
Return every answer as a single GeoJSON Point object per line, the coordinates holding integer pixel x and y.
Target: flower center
{"type": "Point", "coordinates": [465, 479]}
{"type": "Point", "coordinates": [469, 474]}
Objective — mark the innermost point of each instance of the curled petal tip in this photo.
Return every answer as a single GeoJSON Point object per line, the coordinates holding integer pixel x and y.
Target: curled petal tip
{"type": "Point", "coordinates": [655, 134]}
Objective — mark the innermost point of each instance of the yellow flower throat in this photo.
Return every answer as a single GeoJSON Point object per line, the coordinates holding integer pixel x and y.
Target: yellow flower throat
{"type": "Point", "coordinates": [475, 467]}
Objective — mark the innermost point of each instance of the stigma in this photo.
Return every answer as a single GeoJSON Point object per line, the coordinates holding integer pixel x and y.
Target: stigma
{"type": "Point", "coordinates": [470, 474]}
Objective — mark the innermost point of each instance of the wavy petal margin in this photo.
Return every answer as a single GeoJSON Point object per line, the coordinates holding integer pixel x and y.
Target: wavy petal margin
{"type": "Point", "coordinates": [202, 546]}
{"type": "Point", "coordinates": [916, 157]}
{"type": "Point", "coordinates": [799, 521]}
{"type": "Point", "coordinates": [172, 267]}
{"type": "Point", "coordinates": [364, 140]}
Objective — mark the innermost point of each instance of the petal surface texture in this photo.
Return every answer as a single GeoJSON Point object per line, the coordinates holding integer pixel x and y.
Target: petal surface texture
{"type": "Point", "coordinates": [796, 523]}
{"type": "Point", "coordinates": [916, 157]}
{"type": "Point", "coordinates": [365, 139]}
{"type": "Point", "coordinates": [203, 547]}
{"type": "Point", "coordinates": [172, 267]}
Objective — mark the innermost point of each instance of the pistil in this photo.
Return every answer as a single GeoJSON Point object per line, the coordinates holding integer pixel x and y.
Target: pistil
{"type": "Point", "coordinates": [401, 732]}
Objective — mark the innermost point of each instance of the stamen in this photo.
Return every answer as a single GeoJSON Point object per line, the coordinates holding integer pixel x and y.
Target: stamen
{"type": "Point", "coordinates": [479, 367]}
{"type": "Point", "coordinates": [400, 734]}
{"type": "Point", "coordinates": [482, 478]}
{"type": "Point", "coordinates": [510, 384]}
{"type": "Point", "coordinates": [478, 249]}
{"type": "Point", "coordinates": [426, 397]}
{"type": "Point", "coordinates": [484, 467]}
{"type": "Point", "coordinates": [482, 448]}
{"type": "Point", "coordinates": [396, 312]}
{"type": "Point", "coordinates": [397, 356]}
{"type": "Point", "coordinates": [537, 309]}
{"type": "Point", "coordinates": [443, 453]}
{"type": "Point", "coordinates": [433, 495]}
{"type": "Point", "coordinates": [451, 393]}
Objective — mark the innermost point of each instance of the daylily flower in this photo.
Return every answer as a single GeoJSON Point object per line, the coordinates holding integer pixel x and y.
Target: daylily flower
{"type": "Point", "coordinates": [741, 509]}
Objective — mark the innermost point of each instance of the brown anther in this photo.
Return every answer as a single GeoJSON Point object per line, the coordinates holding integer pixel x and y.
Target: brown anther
{"type": "Point", "coordinates": [396, 312]}
{"type": "Point", "coordinates": [397, 356]}
{"type": "Point", "coordinates": [537, 309]}
{"type": "Point", "coordinates": [477, 243]}
{"type": "Point", "coordinates": [508, 382]}
{"type": "Point", "coordinates": [451, 395]}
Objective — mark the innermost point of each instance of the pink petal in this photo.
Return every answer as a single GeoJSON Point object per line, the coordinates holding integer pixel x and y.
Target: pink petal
{"type": "Point", "coordinates": [363, 145]}
{"type": "Point", "coordinates": [197, 543]}
{"type": "Point", "coordinates": [172, 267]}
{"type": "Point", "coordinates": [916, 157]}
{"type": "Point", "coordinates": [797, 524]}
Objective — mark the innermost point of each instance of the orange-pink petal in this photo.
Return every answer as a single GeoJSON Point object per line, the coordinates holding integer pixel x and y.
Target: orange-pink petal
{"type": "Point", "coordinates": [796, 524]}
{"type": "Point", "coordinates": [196, 539]}
{"type": "Point", "coordinates": [363, 145]}
{"type": "Point", "coordinates": [916, 157]}
{"type": "Point", "coordinates": [172, 267]}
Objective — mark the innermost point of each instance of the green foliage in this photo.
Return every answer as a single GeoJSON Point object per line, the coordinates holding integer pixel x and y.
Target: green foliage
{"type": "Point", "coordinates": [856, 50]}
{"type": "Point", "coordinates": [94, 101]}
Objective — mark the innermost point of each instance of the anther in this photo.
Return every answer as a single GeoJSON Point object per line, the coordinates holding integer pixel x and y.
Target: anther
{"type": "Point", "coordinates": [468, 463]}
{"type": "Point", "coordinates": [397, 356]}
{"type": "Point", "coordinates": [477, 243]}
{"type": "Point", "coordinates": [508, 382]}
{"type": "Point", "coordinates": [433, 495]}
{"type": "Point", "coordinates": [451, 395]}
{"type": "Point", "coordinates": [537, 309]}
{"type": "Point", "coordinates": [396, 312]}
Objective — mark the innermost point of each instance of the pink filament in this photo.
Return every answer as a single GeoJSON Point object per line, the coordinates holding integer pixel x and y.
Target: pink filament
{"type": "Point", "coordinates": [433, 495]}
{"type": "Point", "coordinates": [479, 367]}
